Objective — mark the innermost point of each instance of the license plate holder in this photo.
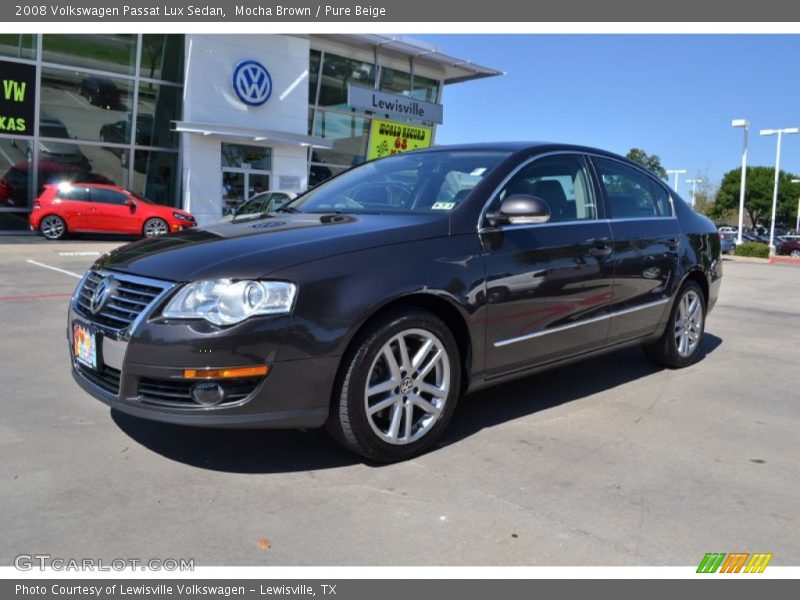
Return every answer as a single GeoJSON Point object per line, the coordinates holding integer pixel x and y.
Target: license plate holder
{"type": "Point", "coordinates": [85, 345]}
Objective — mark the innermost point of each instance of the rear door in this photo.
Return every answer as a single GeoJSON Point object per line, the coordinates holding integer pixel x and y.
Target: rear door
{"type": "Point", "coordinates": [549, 284]}
{"type": "Point", "coordinates": [110, 212]}
{"type": "Point", "coordinates": [646, 240]}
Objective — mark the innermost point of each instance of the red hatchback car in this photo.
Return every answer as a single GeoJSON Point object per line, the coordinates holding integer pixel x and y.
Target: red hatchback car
{"type": "Point", "coordinates": [91, 207]}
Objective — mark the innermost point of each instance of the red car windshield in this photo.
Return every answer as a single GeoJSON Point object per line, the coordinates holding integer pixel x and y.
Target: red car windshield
{"type": "Point", "coordinates": [142, 198]}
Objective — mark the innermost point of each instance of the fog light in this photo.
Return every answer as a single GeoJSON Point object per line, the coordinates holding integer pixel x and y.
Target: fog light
{"type": "Point", "coordinates": [208, 393]}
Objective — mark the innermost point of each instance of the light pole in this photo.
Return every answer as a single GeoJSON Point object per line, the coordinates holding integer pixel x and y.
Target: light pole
{"type": "Point", "coordinates": [779, 132]}
{"type": "Point", "coordinates": [676, 172]}
{"type": "Point", "coordinates": [797, 224]}
{"type": "Point", "coordinates": [694, 182]}
{"type": "Point", "coordinates": [745, 124]}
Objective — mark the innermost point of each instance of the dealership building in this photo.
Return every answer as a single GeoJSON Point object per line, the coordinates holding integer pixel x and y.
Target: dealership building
{"type": "Point", "coordinates": [205, 121]}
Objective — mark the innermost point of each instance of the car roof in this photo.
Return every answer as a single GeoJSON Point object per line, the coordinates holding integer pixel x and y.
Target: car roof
{"type": "Point", "coordinates": [541, 146]}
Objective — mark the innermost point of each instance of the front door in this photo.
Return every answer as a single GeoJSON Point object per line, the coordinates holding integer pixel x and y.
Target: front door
{"type": "Point", "coordinates": [110, 213]}
{"type": "Point", "coordinates": [548, 285]}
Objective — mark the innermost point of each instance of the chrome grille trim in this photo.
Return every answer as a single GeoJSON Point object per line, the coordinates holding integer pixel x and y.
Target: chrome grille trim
{"type": "Point", "coordinates": [130, 299]}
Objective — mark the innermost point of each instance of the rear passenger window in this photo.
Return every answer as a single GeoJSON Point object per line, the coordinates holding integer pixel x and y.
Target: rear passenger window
{"type": "Point", "coordinates": [75, 193]}
{"type": "Point", "coordinates": [630, 193]}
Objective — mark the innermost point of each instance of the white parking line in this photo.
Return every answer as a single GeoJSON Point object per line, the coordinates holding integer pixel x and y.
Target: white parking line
{"type": "Point", "coordinates": [77, 100]}
{"type": "Point", "coordinates": [38, 264]}
{"type": "Point", "coordinates": [7, 157]}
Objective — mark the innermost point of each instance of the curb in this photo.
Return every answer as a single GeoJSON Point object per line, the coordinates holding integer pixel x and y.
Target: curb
{"type": "Point", "coordinates": [748, 259]}
{"type": "Point", "coordinates": [786, 260]}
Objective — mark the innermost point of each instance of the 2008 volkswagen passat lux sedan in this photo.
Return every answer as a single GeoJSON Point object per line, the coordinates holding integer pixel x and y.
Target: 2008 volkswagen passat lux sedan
{"type": "Point", "coordinates": [371, 303]}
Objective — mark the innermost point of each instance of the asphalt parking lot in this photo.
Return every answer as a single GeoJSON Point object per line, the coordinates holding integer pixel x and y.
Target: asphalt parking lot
{"type": "Point", "coordinates": [607, 462]}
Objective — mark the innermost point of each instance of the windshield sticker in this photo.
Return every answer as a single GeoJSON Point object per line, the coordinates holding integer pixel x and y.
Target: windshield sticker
{"type": "Point", "coordinates": [443, 205]}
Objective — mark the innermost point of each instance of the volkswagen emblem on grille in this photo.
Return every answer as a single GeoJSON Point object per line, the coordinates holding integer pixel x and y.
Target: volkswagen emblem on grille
{"type": "Point", "coordinates": [252, 83]}
{"type": "Point", "coordinates": [100, 294]}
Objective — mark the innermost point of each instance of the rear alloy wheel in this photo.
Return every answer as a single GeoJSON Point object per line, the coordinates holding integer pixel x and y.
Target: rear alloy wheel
{"type": "Point", "coordinates": [399, 387]}
{"type": "Point", "coordinates": [680, 344]}
{"type": "Point", "coordinates": [155, 227]}
{"type": "Point", "coordinates": [795, 254]}
{"type": "Point", "coordinates": [53, 227]}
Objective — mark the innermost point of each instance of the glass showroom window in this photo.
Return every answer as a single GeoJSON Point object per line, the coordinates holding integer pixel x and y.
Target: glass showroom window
{"type": "Point", "coordinates": [18, 45]}
{"type": "Point", "coordinates": [349, 134]}
{"type": "Point", "coordinates": [103, 52]}
{"type": "Point", "coordinates": [82, 105]}
{"type": "Point", "coordinates": [154, 174]}
{"type": "Point", "coordinates": [16, 183]}
{"type": "Point", "coordinates": [315, 58]}
{"type": "Point", "coordinates": [162, 57]}
{"type": "Point", "coordinates": [339, 72]}
{"type": "Point", "coordinates": [399, 82]}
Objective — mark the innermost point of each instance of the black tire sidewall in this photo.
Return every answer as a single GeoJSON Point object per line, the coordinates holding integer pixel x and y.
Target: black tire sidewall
{"type": "Point", "coordinates": [353, 420]}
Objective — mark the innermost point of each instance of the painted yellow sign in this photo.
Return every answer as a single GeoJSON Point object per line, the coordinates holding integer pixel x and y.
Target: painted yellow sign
{"type": "Point", "coordinates": [388, 137]}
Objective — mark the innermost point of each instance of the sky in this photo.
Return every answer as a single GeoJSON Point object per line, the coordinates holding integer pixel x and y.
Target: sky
{"type": "Point", "coordinates": [671, 95]}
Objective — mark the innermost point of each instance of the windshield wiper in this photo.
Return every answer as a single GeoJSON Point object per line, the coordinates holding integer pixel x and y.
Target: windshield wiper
{"type": "Point", "coordinates": [287, 209]}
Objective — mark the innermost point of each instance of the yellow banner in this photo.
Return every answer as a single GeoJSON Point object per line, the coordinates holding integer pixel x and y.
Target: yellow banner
{"type": "Point", "coordinates": [387, 138]}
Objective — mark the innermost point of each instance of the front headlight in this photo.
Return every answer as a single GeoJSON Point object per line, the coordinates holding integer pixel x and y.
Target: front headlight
{"type": "Point", "coordinates": [226, 302]}
{"type": "Point", "coordinates": [182, 217]}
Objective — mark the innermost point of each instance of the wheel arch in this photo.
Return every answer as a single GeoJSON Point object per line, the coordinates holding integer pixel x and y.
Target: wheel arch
{"type": "Point", "coordinates": [697, 275]}
{"type": "Point", "coordinates": [442, 308]}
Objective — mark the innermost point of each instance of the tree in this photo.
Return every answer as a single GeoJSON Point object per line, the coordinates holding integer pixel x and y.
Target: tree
{"type": "Point", "coordinates": [648, 161]}
{"type": "Point", "coordinates": [757, 194]}
{"type": "Point", "coordinates": [704, 194]}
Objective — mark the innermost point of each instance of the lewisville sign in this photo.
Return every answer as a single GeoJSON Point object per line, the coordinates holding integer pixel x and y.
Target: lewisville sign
{"type": "Point", "coordinates": [17, 97]}
{"type": "Point", "coordinates": [393, 104]}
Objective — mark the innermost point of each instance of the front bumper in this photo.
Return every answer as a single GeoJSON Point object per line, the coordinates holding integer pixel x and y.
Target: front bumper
{"type": "Point", "coordinates": [140, 371]}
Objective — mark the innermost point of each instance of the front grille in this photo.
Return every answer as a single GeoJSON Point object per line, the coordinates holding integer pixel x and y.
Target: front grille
{"type": "Point", "coordinates": [106, 378]}
{"type": "Point", "coordinates": [126, 301]}
{"type": "Point", "coordinates": [178, 392]}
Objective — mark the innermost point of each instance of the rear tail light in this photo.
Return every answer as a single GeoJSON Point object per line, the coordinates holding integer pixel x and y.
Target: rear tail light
{"type": "Point", "coordinates": [37, 204]}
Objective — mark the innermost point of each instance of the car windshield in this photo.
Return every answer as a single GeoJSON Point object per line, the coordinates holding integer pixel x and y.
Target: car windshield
{"type": "Point", "coordinates": [141, 198]}
{"type": "Point", "coordinates": [427, 182]}
{"type": "Point", "coordinates": [53, 131]}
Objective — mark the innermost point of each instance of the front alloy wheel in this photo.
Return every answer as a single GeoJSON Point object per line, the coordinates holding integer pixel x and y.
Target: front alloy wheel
{"type": "Point", "coordinates": [155, 227]}
{"type": "Point", "coordinates": [407, 387]}
{"type": "Point", "coordinates": [398, 387]}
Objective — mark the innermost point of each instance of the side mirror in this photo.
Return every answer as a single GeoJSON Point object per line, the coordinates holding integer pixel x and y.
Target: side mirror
{"type": "Point", "coordinates": [520, 209]}
{"type": "Point", "coordinates": [130, 202]}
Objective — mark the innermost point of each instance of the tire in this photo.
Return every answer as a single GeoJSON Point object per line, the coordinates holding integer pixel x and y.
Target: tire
{"type": "Point", "coordinates": [795, 254]}
{"type": "Point", "coordinates": [679, 345]}
{"type": "Point", "coordinates": [388, 434]}
{"type": "Point", "coordinates": [53, 227]}
{"type": "Point", "coordinates": [155, 227]}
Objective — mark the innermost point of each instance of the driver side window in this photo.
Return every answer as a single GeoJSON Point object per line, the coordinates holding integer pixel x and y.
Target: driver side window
{"type": "Point", "coordinates": [562, 181]}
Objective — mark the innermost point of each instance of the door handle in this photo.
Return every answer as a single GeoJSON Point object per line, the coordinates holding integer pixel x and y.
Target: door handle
{"type": "Point", "coordinates": [672, 243]}
{"type": "Point", "coordinates": [601, 248]}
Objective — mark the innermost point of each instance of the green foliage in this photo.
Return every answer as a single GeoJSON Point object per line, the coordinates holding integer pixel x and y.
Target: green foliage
{"type": "Point", "coordinates": [753, 249]}
{"type": "Point", "coordinates": [648, 161]}
{"type": "Point", "coordinates": [758, 194]}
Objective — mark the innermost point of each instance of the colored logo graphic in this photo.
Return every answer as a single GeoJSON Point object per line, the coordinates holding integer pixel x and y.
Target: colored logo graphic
{"type": "Point", "coordinates": [735, 562]}
{"type": "Point", "coordinates": [252, 83]}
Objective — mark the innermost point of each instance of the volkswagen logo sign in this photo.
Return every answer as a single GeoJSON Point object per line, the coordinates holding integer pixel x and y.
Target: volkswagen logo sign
{"type": "Point", "coordinates": [252, 83]}
{"type": "Point", "coordinates": [100, 294]}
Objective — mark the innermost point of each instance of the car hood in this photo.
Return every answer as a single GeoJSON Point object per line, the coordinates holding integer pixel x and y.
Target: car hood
{"type": "Point", "coordinates": [254, 249]}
